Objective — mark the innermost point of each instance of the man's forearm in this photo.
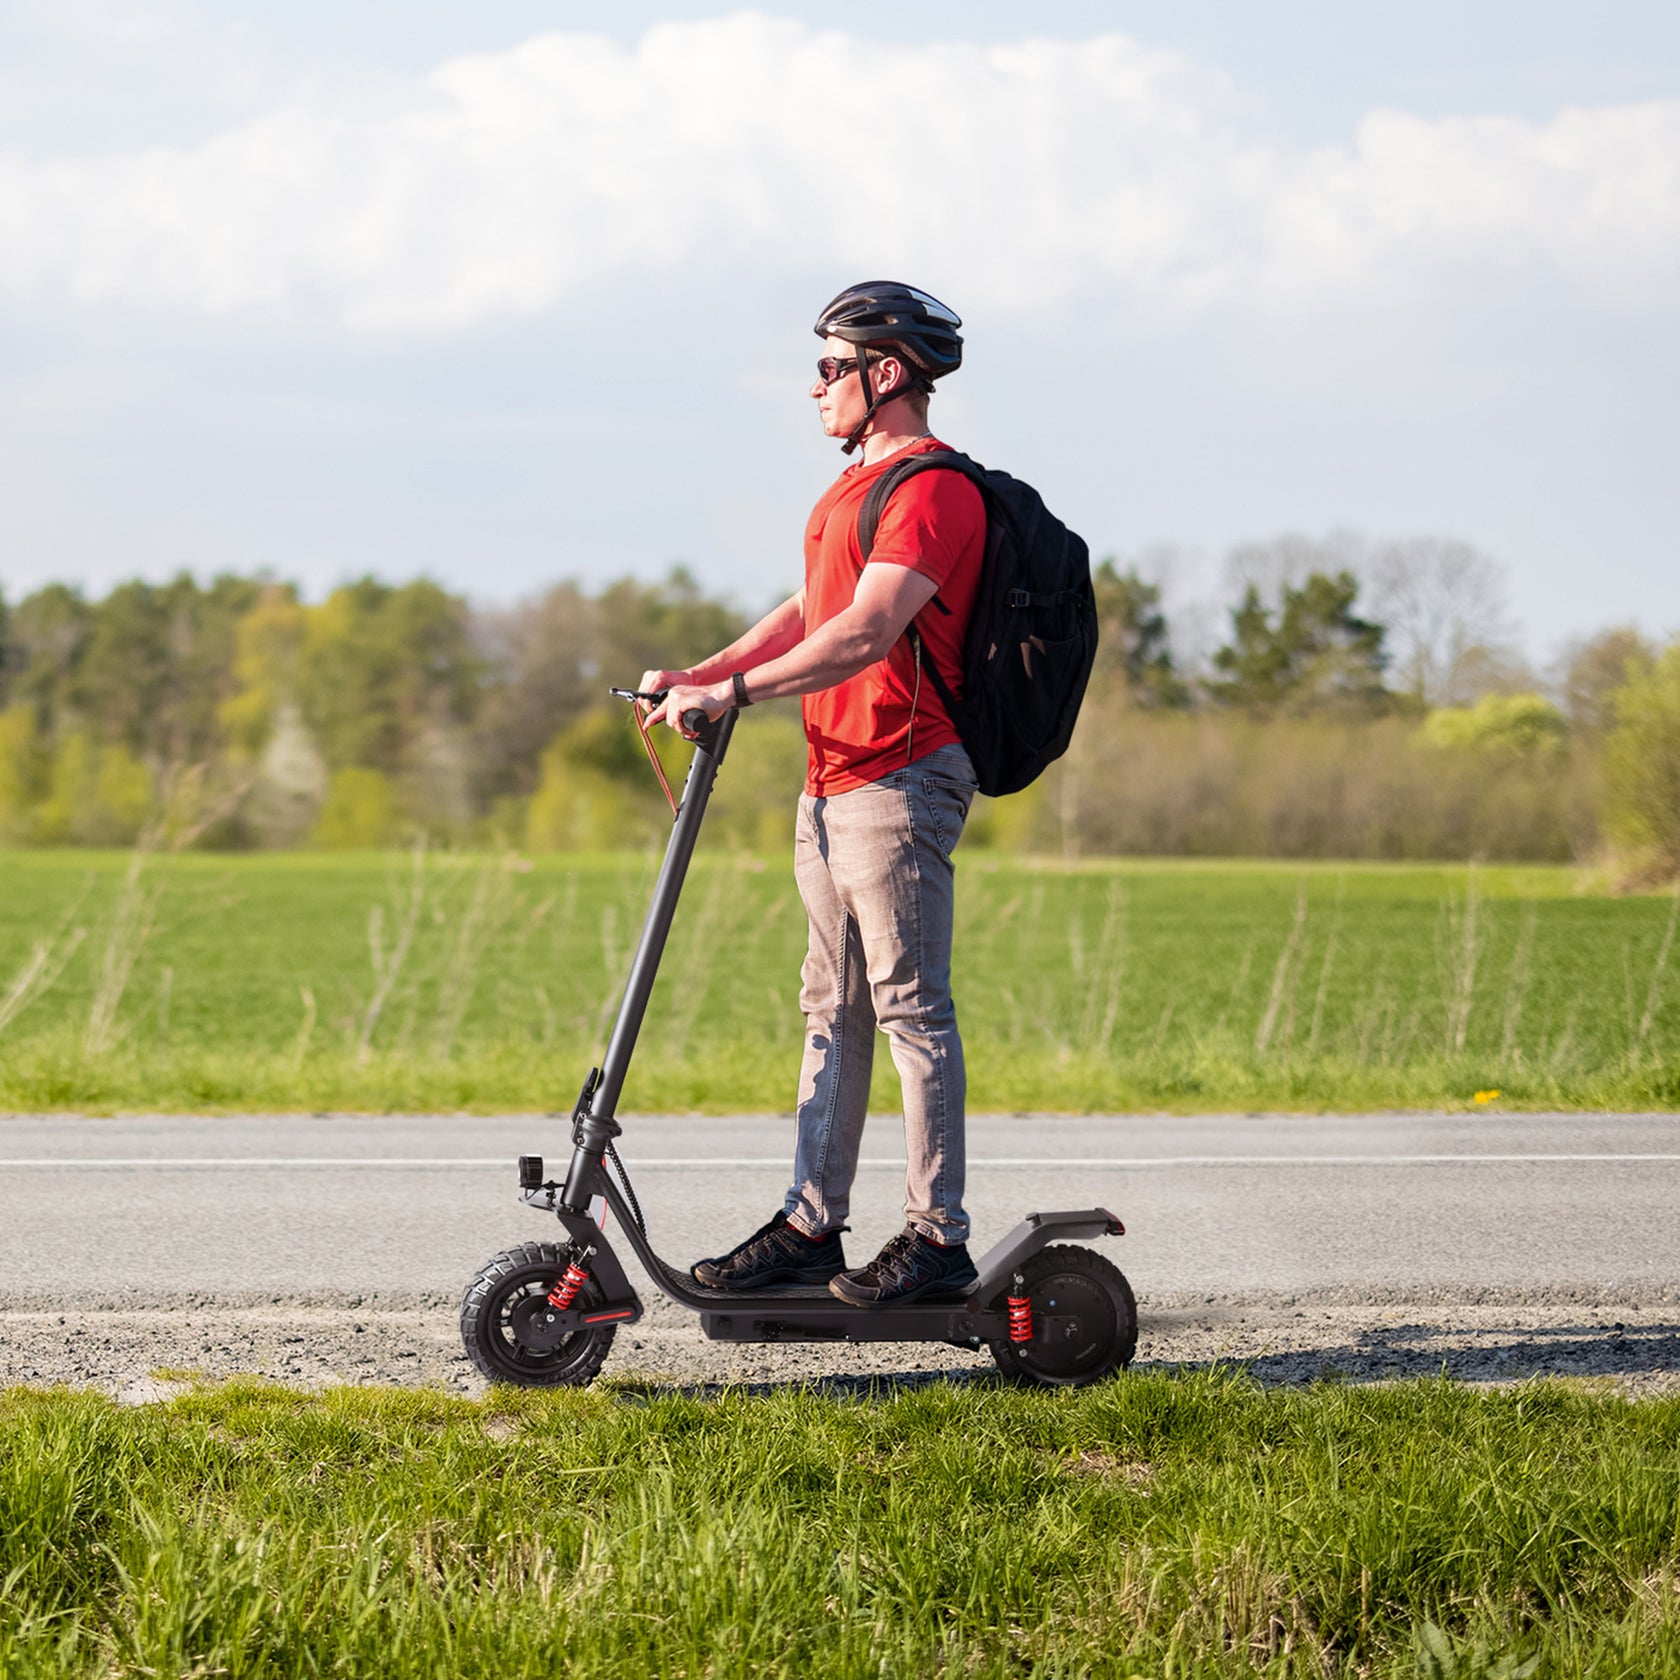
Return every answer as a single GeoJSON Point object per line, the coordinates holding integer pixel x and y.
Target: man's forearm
{"type": "Point", "coordinates": [779, 630]}
{"type": "Point", "coordinates": [839, 649]}
{"type": "Point", "coordinates": [779, 661]}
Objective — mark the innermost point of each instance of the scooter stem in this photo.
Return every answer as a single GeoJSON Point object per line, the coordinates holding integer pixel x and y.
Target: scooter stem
{"type": "Point", "coordinates": [599, 1127]}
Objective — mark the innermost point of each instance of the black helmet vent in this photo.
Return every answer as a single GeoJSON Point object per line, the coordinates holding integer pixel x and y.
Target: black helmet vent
{"type": "Point", "coordinates": [886, 314]}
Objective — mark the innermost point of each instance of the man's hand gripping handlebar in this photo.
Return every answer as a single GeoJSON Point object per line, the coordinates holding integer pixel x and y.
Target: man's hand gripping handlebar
{"type": "Point", "coordinates": [693, 720]}
{"type": "Point", "coordinates": [676, 696]}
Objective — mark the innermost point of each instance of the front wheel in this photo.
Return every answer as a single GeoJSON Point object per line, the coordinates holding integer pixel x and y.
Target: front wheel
{"type": "Point", "coordinates": [1084, 1320]}
{"type": "Point", "coordinates": [504, 1322]}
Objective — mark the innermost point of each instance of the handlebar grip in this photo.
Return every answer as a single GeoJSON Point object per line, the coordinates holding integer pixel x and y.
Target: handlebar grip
{"type": "Point", "coordinates": [695, 719]}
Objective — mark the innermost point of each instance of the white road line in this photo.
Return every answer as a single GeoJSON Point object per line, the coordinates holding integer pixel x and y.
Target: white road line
{"type": "Point", "coordinates": [1138, 1162]}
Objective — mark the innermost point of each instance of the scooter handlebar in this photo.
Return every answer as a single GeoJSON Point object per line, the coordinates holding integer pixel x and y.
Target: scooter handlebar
{"type": "Point", "coordinates": [694, 719]}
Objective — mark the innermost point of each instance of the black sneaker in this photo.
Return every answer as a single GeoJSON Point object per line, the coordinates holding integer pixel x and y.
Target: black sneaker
{"type": "Point", "coordinates": [909, 1267]}
{"type": "Point", "coordinates": [774, 1253]}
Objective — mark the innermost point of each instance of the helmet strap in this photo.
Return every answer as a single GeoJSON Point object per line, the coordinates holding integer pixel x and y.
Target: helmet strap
{"type": "Point", "coordinates": [872, 399]}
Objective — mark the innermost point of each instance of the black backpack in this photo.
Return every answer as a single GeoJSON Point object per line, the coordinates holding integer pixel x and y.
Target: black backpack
{"type": "Point", "coordinates": [1033, 633]}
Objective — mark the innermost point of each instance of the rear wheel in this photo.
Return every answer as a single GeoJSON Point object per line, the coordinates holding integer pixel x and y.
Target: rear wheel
{"type": "Point", "coordinates": [505, 1319]}
{"type": "Point", "coordinates": [1084, 1320]}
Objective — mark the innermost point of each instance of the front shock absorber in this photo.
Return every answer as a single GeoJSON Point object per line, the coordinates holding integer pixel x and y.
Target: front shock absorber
{"type": "Point", "coordinates": [1020, 1312]}
{"type": "Point", "coordinates": [574, 1278]}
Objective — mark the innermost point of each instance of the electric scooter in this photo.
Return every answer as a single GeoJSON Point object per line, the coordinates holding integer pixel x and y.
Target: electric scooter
{"type": "Point", "coordinates": [544, 1314]}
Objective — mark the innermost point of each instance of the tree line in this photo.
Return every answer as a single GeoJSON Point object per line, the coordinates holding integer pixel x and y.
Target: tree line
{"type": "Point", "coordinates": [1357, 702]}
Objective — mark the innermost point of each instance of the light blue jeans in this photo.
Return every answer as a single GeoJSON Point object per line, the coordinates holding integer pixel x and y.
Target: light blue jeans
{"type": "Point", "coordinates": [874, 871]}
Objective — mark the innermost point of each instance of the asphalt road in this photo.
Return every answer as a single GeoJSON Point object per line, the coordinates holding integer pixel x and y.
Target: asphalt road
{"type": "Point", "coordinates": [1215, 1206]}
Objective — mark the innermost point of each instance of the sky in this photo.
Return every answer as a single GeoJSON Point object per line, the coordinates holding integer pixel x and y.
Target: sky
{"type": "Point", "coordinates": [507, 294]}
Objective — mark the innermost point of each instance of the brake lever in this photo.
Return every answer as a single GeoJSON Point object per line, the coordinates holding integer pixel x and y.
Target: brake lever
{"type": "Point", "coordinates": [693, 720]}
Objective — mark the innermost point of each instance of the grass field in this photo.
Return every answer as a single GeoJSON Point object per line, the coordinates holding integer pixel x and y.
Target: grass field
{"type": "Point", "coordinates": [315, 982]}
{"type": "Point", "coordinates": [1163, 1524]}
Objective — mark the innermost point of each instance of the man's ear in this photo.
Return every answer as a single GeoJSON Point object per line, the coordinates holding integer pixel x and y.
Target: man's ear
{"type": "Point", "coordinates": [900, 380]}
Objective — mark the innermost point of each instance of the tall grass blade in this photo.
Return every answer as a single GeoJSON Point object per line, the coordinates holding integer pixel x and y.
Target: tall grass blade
{"type": "Point", "coordinates": [1517, 980]}
{"type": "Point", "coordinates": [1281, 973]}
{"type": "Point", "coordinates": [1322, 997]}
{"type": "Point", "coordinates": [133, 916]}
{"type": "Point", "coordinates": [300, 1046]}
{"type": "Point", "coordinates": [487, 912]}
{"type": "Point", "coordinates": [1102, 985]}
{"type": "Point", "coordinates": [387, 966]}
{"type": "Point", "coordinates": [46, 961]}
{"type": "Point", "coordinates": [1459, 952]}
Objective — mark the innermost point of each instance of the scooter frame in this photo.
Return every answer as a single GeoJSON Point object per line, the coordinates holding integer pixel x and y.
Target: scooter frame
{"type": "Point", "coordinates": [795, 1314]}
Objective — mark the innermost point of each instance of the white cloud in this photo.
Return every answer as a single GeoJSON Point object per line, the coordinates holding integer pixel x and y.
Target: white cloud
{"type": "Point", "coordinates": [500, 182]}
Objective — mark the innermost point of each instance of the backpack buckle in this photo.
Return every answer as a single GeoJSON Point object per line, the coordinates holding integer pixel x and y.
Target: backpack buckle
{"type": "Point", "coordinates": [1018, 598]}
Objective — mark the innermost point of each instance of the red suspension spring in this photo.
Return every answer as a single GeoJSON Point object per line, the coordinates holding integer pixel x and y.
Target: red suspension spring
{"type": "Point", "coordinates": [1020, 1317]}
{"type": "Point", "coordinates": [565, 1291]}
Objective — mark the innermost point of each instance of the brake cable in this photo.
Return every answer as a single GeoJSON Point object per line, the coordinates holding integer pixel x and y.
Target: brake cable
{"type": "Point", "coordinates": [637, 698]}
{"type": "Point", "coordinates": [653, 759]}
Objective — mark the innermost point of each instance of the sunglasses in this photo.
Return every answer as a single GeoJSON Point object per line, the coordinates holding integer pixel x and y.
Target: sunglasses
{"type": "Point", "coordinates": [831, 368]}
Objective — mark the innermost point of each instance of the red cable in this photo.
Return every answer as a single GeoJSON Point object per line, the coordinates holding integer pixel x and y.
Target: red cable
{"type": "Point", "coordinates": [653, 758]}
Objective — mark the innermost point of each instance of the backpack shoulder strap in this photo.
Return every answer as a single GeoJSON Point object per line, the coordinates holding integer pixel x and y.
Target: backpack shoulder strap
{"type": "Point", "coordinates": [874, 504]}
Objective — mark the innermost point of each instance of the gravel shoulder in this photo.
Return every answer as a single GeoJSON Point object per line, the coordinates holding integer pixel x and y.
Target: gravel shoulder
{"type": "Point", "coordinates": [141, 1348]}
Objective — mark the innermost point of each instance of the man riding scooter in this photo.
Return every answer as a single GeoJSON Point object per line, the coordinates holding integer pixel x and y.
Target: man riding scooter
{"type": "Point", "coordinates": [886, 795]}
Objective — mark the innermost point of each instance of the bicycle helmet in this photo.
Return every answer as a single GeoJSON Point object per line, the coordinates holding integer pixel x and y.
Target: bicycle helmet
{"type": "Point", "coordinates": [887, 315]}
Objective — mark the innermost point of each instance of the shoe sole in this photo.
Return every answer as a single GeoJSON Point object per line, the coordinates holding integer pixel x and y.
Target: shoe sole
{"type": "Point", "coordinates": [957, 1288]}
{"type": "Point", "coordinates": [764, 1280]}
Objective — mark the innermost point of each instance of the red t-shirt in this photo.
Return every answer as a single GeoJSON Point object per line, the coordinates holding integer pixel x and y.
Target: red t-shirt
{"type": "Point", "coordinates": [935, 523]}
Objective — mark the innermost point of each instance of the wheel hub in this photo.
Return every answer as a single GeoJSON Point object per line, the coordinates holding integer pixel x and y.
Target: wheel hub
{"type": "Point", "coordinates": [1075, 1325]}
{"type": "Point", "coordinates": [537, 1326]}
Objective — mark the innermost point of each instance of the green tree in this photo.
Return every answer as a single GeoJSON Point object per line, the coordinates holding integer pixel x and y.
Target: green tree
{"type": "Point", "coordinates": [360, 811]}
{"type": "Point", "coordinates": [577, 808]}
{"type": "Point", "coordinates": [158, 663]}
{"type": "Point", "coordinates": [22, 773]}
{"type": "Point", "coordinates": [596, 790]}
{"type": "Point", "coordinates": [1133, 645]}
{"type": "Point", "coordinates": [666, 625]}
{"type": "Point", "coordinates": [1310, 652]}
{"type": "Point", "coordinates": [1518, 723]}
{"type": "Point", "coordinates": [47, 641]}
{"type": "Point", "coordinates": [96, 795]}
{"type": "Point", "coordinates": [379, 665]}
{"type": "Point", "coordinates": [267, 646]}
{"type": "Point", "coordinates": [1642, 762]}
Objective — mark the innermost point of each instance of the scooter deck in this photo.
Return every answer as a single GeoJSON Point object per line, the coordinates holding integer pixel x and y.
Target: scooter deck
{"type": "Point", "coordinates": [811, 1313]}
{"type": "Point", "coordinates": [809, 1298]}
{"type": "Point", "coordinates": [921, 1321]}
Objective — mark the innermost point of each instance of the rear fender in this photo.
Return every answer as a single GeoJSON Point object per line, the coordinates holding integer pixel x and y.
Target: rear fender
{"type": "Point", "coordinates": [1038, 1230]}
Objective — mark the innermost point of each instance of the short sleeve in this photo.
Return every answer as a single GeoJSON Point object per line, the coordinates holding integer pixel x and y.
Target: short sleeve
{"type": "Point", "coordinates": [929, 523]}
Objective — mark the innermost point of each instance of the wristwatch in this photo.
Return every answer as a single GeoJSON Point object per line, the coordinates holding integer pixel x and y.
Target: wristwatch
{"type": "Point", "coordinates": [742, 698]}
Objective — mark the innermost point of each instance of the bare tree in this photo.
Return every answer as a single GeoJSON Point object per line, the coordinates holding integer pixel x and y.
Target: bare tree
{"type": "Point", "coordinates": [1288, 561]}
{"type": "Point", "coordinates": [541, 657]}
{"type": "Point", "coordinates": [1450, 636]}
{"type": "Point", "coordinates": [1590, 671]}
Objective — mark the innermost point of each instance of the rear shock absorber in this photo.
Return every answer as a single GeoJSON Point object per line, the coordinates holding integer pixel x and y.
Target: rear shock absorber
{"type": "Point", "coordinates": [566, 1290]}
{"type": "Point", "coordinates": [1020, 1312]}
